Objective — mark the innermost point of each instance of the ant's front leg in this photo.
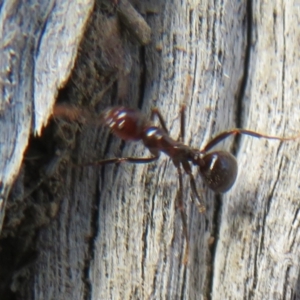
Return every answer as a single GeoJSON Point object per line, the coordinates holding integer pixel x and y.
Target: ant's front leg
{"type": "Point", "coordinates": [117, 160]}
{"type": "Point", "coordinates": [156, 112]}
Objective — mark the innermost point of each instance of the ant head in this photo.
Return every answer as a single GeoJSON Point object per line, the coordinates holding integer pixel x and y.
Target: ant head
{"type": "Point", "coordinates": [219, 170]}
{"type": "Point", "coordinates": [125, 123]}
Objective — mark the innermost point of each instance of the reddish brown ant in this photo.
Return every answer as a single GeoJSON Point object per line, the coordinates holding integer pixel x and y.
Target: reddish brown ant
{"type": "Point", "coordinates": [218, 168]}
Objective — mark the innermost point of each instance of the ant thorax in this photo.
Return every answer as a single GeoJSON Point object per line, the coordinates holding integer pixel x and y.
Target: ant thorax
{"type": "Point", "coordinates": [157, 140]}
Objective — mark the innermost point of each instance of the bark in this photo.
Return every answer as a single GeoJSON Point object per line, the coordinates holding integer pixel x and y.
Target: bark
{"type": "Point", "coordinates": [117, 233]}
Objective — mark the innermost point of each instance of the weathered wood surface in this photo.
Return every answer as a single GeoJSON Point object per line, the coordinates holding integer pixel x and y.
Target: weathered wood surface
{"type": "Point", "coordinates": [118, 234]}
{"type": "Point", "coordinates": [33, 65]}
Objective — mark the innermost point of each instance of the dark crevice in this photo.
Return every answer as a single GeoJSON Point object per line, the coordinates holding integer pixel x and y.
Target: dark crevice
{"type": "Point", "coordinates": [295, 219]}
{"type": "Point", "coordinates": [128, 222]}
{"type": "Point", "coordinates": [285, 284]}
{"type": "Point", "coordinates": [259, 250]}
{"type": "Point", "coordinates": [94, 230]}
{"type": "Point", "coordinates": [184, 283]}
{"type": "Point", "coordinates": [174, 54]}
{"type": "Point", "coordinates": [191, 22]}
{"type": "Point", "coordinates": [142, 77]}
{"type": "Point", "coordinates": [283, 60]}
{"type": "Point", "coordinates": [41, 33]}
{"type": "Point", "coordinates": [146, 221]}
{"type": "Point", "coordinates": [177, 269]}
{"type": "Point", "coordinates": [216, 218]}
{"type": "Point", "coordinates": [170, 267]}
{"type": "Point", "coordinates": [154, 283]}
{"type": "Point", "coordinates": [239, 117]}
{"type": "Point", "coordinates": [244, 81]}
{"type": "Point", "coordinates": [268, 205]}
{"type": "Point", "coordinates": [227, 262]}
{"type": "Point", "coordinates": [255, 273]}
{"type": "Point", "coordinates": [218, 206]}
{"type": "Point", "coordinates": [280, 168]}
{"type": "Point", "coordinates": [68, 222]}
{"type": "Point", "coordinates": [291, 236]}
{"type": "Point", "coordinates": [274, 31]}
{"type": "Point", "coordinates": [213, 39]}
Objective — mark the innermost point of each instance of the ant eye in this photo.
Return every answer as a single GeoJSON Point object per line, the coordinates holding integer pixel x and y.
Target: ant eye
{"type": "Point", "coordinates": [219, 170]}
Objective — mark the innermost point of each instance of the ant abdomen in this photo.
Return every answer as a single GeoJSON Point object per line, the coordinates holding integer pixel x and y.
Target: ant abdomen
{"type": "Point", "coordinates": [125, 123]}
{"type": "Point", "coordinates": [219, 170]}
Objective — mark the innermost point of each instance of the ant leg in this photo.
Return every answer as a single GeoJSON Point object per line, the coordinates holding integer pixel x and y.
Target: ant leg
{"type": "Point", "coordinates": [200, 203]}
{"type": "Point", "coordinates": [116, 160]}
{"type": "Point", "coordinates": [183, 216]}
{"type": "Point", "coordinates": [223, 135]}
{"type": "Point", "coordinates": [156, 112]}
{"type": "Point", "coordinates": [188, 88]}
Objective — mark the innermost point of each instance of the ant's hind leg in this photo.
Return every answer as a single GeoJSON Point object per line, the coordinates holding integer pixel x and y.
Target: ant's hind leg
{"type": "Point", "coordinates": [200, 204]}
{"type": "Point", "coordinates": [180, 204]}
{"type": "Point", "coordinates": [224, 135]}
{"type": "Point", "coordinates": [199, 201]}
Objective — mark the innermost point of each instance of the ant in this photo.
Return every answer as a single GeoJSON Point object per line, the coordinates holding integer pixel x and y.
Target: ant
{"type": "Point", "coordinates": [217, 168]}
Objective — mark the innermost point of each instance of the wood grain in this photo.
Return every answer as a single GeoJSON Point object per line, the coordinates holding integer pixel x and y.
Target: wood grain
{"type": "Point", "coordinates": [38, 46]}
{"type": "Point", "coordinates": [118, 234]}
